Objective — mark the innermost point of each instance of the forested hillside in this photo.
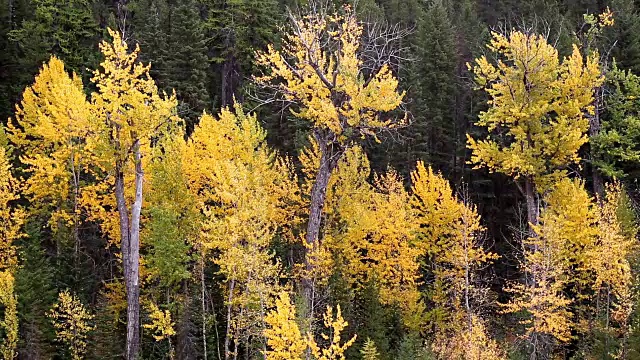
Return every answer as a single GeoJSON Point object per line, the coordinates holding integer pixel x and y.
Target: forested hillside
{"type": "Point", "coordinates": [291, 179]}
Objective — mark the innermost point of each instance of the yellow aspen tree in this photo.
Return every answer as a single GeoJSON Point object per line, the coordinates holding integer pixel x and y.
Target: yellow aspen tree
{"type": "Point", "coordinates": [284, 338]}
{"type": "Point", "coordinates": [243, 190]}
{"type": "Point", "coordinates": [448, 231]}
{"type": "Point", "coordinates": [286, 342]}
{"type": "Point", "coordinates": [321, 70]}
{"type": "Point", "coordinates": [566, 231]}
{"type": "Point", "coordinates": [71, 321]}
{"type": "Point", "coordinates": [126, 112]}
{"type": "Point", "coordinates": [537, 111]}
{"type": "Point", "coordinates": [50, 131]}
{"type": "Point", "coordinates": [608, 261]}
{"type": "Point", "coordinates": [161, 325]}
{"type": "Point", "coordinates": [12, 219]}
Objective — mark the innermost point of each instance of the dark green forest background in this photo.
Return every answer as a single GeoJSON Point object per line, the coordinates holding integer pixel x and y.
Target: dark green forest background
{"type": "Point", "coordinates": [204, 49]}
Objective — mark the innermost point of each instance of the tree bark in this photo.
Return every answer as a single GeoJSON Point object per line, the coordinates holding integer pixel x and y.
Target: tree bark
{"type": "Point", "coordinates": [130, 238]}
{"type": "Point", "coordinates": [532, 203]}
{"type": "Point", "coordinates": [594, 130]}
{"type": "Point", "coordinates": [331, 152]}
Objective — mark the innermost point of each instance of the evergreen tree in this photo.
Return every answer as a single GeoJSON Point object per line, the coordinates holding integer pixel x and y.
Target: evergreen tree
{"type": "Point", "coordinates": [65, 28]}
{"type": "Point", "coordinates": [431, 136]}
{"type": "Point", "coordinates": [626, 35]}
{"type": "Point", "coordinates": [187, 64]}
{"type": "Point", "coordinates": [238, 28]}
{"type": "Point", "coordinates": [151, 33]}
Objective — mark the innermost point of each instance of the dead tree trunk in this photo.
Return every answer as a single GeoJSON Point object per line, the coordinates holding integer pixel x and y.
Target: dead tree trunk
{"type": "Point", "coordinates": [130, 245]}
{"type": "Point", "coordinates": [331, 152]}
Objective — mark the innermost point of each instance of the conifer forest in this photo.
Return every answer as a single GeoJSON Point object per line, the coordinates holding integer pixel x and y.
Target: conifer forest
{"type": "Point", "coordinates": [320, 179]}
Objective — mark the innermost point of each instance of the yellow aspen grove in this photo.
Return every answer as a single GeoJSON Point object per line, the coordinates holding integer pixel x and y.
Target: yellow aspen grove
{"type": "Point", "coordinates": [243, 189]}
{"type": "Point", "coordinates": [50, 131]}
{"type": "Point", "coordinates": [285, 341]}
{"type": "Point", "coordinates": [127, 112]}
{"type": "Point", "coordinates": [322, 71]}
{"type": "Point", "coordinates": [11, 219]}
{"type": "Point", "coordinates": [537, 111]}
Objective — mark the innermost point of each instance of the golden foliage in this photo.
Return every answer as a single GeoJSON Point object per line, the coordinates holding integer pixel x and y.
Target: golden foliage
{"type": "Point", "coordinates": [71, 321]}
{"type": "Point", "coordinates": [286, 342]}
{"type": "Point", "coordinates": [449, 232]}
{"type": "Point", "coordinates": [50, 130]}
{"type": "Point", "coordinates": [368, 233]}
{"type": "Point", "coordinates": [12, 219]}
{"type": "Point", "coordinates": [468, 343]}
{"type": "Point", "coordinates": [539, 102]}
{"type": "Point", "coordinates": [126, 112]}
{"type": "Point", "coordinates": [9, 324]}
{"type": "Point", "coordinates": [245, 192]}
{"type": "Point", "coordinates": [161, 323]}
{"type": "Point", "coordinates": [320, 69]}
{"type": "Point", "coordinates": [566, 231]}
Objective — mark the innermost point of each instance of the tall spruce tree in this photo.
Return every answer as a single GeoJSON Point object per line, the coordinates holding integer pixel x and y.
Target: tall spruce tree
{"type": "Point", "coordinates": [150, 31]}
{"type": "Point", "coordinates": [187, 63]}
{"type": "Point", "coordinates": [431, 137]}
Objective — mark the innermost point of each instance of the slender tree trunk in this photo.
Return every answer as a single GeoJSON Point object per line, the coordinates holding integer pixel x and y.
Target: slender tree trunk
{"type": "Point", "coordinates": [532, 203]}
{"type": "Point", "coordinates": [594, 130]}
{"type": "Point", "coordinates": [330, 155]}
{"type": "Point", "coordinates": [204, 308]}
{"type": "Point", "coordinates": [130, 238]}
{"type": "Point", "coordinates": [227, 338]}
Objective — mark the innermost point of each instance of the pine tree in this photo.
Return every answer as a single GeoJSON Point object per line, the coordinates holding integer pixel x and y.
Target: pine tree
{"type": "Point", "coordinates": [432, 132]}
{"type": "Point", "coordinates": [66, 29]}
{"type": "Point", "coordinates": [615, 147]}
{"type": "Point", "coordinates": [369, 351]}
{"type": "Point", "coordinates": [626, 33]}
{"type": "Point", "coordinates": [186, 67]}
{"type": "Point", "coordinates": [149, 20]}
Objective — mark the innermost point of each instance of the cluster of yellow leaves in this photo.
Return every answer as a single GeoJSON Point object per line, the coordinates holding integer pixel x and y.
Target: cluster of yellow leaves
{"type": "Point", "coordinates": [538, 102]}
{"type": "Point", "coordinates": [11, 219]}
{"type": "Point", "coordinates": [9, 324]}
{"type": "Point", "coordinates": [368, 232]}
{"type": "Point", "coordinates": [69, 145]}
{"type": "Point", "coordinates": [449, 232]}
{"type": "Point", "coordinates": [51, 127]}
{"type": "Point", "coordinates": [71, 321]}
{"type": "Point", "coordinates": [469, 343]}
{"type": "Point", "coordinates": [566, 226]}
{"type": "Point", "coordinates": [161, 323]}
{"type": "Point", "coordinates": [245, 192]}
{"type": "Point", "coordinates": [320, 69]}
{"type": "Point", "coordinates": [286, 341]}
